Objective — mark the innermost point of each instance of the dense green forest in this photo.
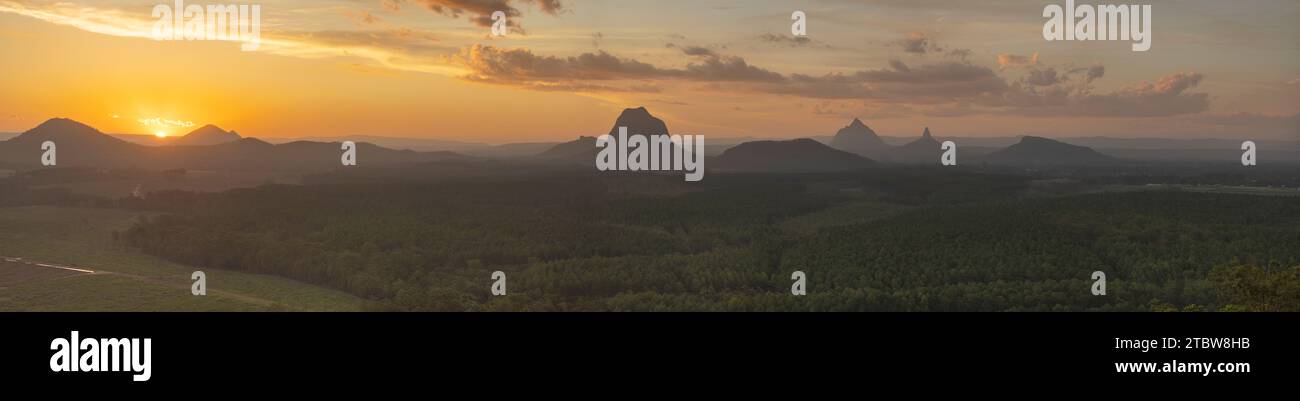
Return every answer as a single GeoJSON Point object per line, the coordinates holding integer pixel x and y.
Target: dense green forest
{"type": "Point", "coordinates": [892, 240]}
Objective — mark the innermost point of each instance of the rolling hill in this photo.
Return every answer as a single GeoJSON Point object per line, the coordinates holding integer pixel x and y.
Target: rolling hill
{"type": "Point", "coordinates": [1032, 150]}
{"type": "Point", "coordinates": [798, 156]}
{"type": "Point", "coordinates": [207, 135]}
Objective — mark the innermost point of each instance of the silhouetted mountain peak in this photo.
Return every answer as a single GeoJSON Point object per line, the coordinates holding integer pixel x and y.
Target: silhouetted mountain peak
{"type": "Point", "coordinates": [925, 140]}
{"type": "Point", "coordinates": [858, 138]}
{"type": "Point", "coordinates": [923, 150]}
{"type": "Point", "coordinates": [1039, 150]}
{"type": "Point", "coordinates": [64, 126]}
{"type": "Point", "coordinates": [797, 155]}
{"type": "Point", "coordinates": [1037, 143]}
{"type": "Point", "coordinates": [66, 131]}
{"type": "Point", "coordinates": [207, 135]}
{"type": "Point", "coordinates": [639, 122]}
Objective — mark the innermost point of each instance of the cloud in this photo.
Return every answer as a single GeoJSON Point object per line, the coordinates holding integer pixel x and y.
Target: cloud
{"type": "Point", "coordinates": [392, 50]}
{"type": "Point", "coordinates": [729, 69]}
{"type": "Point", "coordinates": [490, 62]}
{"type": "Point", "coordinates": [1091, 73]}
{"type": "Point", "coordinates": [952, 85]}
{"type": "Point", "coordinates": [928, 73]}
{"type": "Point", "coordinates": [1043, 77]}
{"type": "Point", "coordinates": [698, 51]}
{"type": "Point", "coordinates": [918, 43]}
{"type": "Point", "coordinates": [398, 40]}
{"type": "Point", "coordinates": [159, 122]}
{"type": "Point", "coordinates": [1168, 85]}
{"type": "Point", "coordinates": [716, 67]}
{"type": "Point", "coordinates": [1168, 96]}
{"type": "Point", "coordinates": [493, 64]}
{"type": "Point", "coordinates": [945, 88]}
{"type": "Point", "coordinates": [364, 18]}
{"type": "Point", "coordinates": [919, 84]}
{"type": "Point", "coordinates": [1012, 60]}
{"type": "Point", "coordinates": [787, 40]}
{"type": "Point", "coordinates": [960, 54]}
{"type": "Point", "coordinates": [480, 12]}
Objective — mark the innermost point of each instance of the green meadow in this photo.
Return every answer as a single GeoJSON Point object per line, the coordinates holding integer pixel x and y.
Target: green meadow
{"type": "Point", "coordinates": [127, 280]}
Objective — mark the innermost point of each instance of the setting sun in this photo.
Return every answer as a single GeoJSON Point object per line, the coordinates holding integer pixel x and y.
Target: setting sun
{"type": "Point", "coordinates": [160, 134]}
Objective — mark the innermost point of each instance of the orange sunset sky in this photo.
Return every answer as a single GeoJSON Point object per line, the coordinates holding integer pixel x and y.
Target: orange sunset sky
{"type": "Point", "coordinates": [431, 69]}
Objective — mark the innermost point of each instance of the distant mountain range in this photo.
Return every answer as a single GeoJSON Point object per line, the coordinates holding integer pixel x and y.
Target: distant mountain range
{"type": "Point", "coordinates": [81, 145]}
{"type": "Point", "coordinates": [860, 139]}
{"type": "Point", "coordinates": [211, 147]}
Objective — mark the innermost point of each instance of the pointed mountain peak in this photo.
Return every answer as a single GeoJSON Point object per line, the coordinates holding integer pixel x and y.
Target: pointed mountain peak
{"type": "Point", "coordinates": [860, 139]}
{"type": "Point", "coordinates": [857, 126]}
{"type": "Point", "coordinates": [923, 150]}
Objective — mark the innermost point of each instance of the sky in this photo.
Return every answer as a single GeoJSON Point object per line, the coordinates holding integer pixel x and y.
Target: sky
{"type": "Point", "coordinates": [433, 69]}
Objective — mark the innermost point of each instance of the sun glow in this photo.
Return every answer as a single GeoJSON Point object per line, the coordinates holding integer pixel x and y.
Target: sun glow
{"type": "Point", "coordinates": [160, 134]}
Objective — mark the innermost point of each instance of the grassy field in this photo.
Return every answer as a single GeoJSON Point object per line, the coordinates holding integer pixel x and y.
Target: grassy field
{"type": "Point", "coordinates": [126, 280]}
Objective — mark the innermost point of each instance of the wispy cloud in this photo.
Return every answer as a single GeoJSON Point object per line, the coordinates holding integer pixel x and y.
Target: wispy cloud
{"type": "Point", "coordinates": [400, 49]}
{"type": "Point", "coordinates": [479, 12]}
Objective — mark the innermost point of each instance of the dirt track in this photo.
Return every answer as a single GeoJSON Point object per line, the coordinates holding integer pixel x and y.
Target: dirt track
{"type": "Point", "coordinates": [15, 271]}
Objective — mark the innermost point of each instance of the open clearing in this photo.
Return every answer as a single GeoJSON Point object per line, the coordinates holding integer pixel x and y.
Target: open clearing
{"type": "Point", "coordinates": [39, 244]}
